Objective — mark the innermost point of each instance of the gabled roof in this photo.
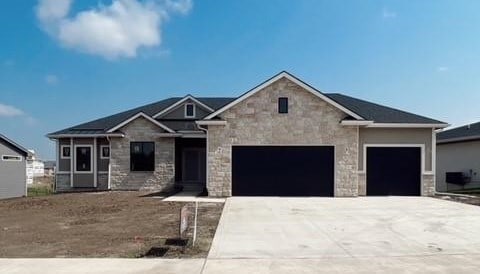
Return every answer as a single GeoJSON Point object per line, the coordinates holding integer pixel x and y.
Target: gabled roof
{"type": "Point", "coordinates": [468, 132]}
{"type": "Point", "coordinates": [294, 79]}
{"type": "Point", "coordinates": [136, 116]}
{"type": "Point", "coordinates": [14, 145]}
{"type": "Point", "coordinates": [359, 111]}
{"type": "Point", "coordinates": [179, 102]}
{"type": "Point", "coordinates": [102, 125]}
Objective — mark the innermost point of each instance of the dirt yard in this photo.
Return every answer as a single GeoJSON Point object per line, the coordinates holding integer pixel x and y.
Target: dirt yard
{"type": "Point", "coordinates": [108, 224]}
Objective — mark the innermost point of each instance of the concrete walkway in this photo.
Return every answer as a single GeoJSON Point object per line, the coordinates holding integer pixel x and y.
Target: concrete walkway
{"type": "Point", "coordinates": [104, 266]}
{"type": "Point", "coordinates": [315, 235]}
{"type": "Point", "coordinates": [192, 196]}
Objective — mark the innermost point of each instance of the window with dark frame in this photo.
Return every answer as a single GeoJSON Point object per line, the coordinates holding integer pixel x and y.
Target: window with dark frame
{"type": "Point", "coordinates": [283, 105]}
{"type": "Point", "coordinates": [105, 152]}
{"type": "Point", "coordinates": [142, 156]}
{"type": "Point", "coordinates": [65, 151]}
{"type": "Point", "coordinates": [189, 110]}
{"type": "Point", "coordinates": [83, 159]}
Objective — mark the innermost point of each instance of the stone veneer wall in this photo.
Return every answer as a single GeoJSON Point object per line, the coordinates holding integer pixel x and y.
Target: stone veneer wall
{"type": "Point", "coordinates": [256, 121]}
{"type": "Point", "coordinates": [428, 184]}
{"type": "Point", "coordinates": [142, 130]}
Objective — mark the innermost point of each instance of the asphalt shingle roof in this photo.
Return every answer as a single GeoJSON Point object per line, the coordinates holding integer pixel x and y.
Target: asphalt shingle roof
{"type": "Point", "coordinates": [103, 124]}
{"type": "Point", "coordinates": [14, 145]}
{"type": "Point", "coordinates": [379, 113]}
{"type": "Point", "coordinates": [471, 131]}
{"type": "Point", "coordinates": [367, 110]}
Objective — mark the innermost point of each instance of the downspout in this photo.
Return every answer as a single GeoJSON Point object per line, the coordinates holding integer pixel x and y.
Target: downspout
{"type": "Point", "coordinates": [206, 155]}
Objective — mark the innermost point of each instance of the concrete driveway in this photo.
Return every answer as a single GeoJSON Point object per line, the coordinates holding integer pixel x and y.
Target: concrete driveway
{"type": "Point", "coordinates": [347, 234]}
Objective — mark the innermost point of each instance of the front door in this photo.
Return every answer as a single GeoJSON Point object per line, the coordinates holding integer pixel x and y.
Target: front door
{"type": "Point", "coordinates": [194, 165]}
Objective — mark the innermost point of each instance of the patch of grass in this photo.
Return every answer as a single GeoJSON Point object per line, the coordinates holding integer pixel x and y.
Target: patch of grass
{"type": "Point", "coordinates": [39, 190]}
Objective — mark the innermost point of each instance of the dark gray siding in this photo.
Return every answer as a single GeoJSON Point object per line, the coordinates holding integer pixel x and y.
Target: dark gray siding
{"type": "Point", "coordinates": [12, 174]}
{"type": "Point", "coordinates": [63, 164]}
{"type": "Point", "coordinates": [102, 163]}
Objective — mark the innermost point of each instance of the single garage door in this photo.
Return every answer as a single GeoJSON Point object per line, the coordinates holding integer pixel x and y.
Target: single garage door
{"type": "Point", "coordinates": [393, 171]}
{"type": "Point", "coordinates": [282, 170]}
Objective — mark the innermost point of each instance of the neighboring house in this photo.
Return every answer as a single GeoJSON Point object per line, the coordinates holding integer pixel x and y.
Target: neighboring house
{"type": "Point", "coordinates": [49, 168]}
{"type": "Point", "coordinates": [12, 169]}
{"type": "Point", "coordinates": [458, 153]}
{"type": "Point", "coordinates": [281, 138]}
{"type": "Point", "coordinates": [35, 167]}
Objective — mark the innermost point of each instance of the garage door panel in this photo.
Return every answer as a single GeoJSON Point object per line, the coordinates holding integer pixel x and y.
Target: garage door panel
{"type": "Point", "coordinates": [393, 171]}
{"type": "Point", "coordinates": [282, 170]}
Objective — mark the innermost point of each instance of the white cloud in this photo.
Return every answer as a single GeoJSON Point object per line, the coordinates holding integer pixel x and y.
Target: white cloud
{"type": "Point", "coordinates": [9, 111]}
{"type": "Point", "coordinates": [442, 69]}
{"type": "Point", "coordinates": [51, 79]}
{"type": "Point", "coordinates": [388, 14]}
{"type": "Point", "coordinates": [52, 10]}
{"type": "Point", "coordinates": [111, 31]}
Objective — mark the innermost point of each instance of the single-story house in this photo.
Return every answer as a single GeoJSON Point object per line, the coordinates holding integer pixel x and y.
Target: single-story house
{"type": "Point", "coordinates": [49, 168]}
{"type": "Point", "coordinates": [281, 138]}
{"type": "Point", "coordinates": [458, 158]}
{"type": "Point", "coordinates": [35, 167]}
{"type": "Point", "coordinates": [13, 167]}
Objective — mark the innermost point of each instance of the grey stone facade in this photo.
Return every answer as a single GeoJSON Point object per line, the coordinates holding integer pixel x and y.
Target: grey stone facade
{"type": "Point", "coordinates": [142, 130]}
{"type": "Point", "coordinates": [256, 121]}
{"type": "Point", "coordinates": [428, 184]}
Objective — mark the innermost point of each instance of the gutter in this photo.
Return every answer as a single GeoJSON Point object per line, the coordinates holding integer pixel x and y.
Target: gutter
{"type": "Point", "coordinates": [57, 136]}
{"type": "Point", "coordinates": [211, 123]}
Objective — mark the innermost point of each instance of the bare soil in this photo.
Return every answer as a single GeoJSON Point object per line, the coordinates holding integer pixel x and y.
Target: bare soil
{"type": "Point", "coordinates": [107, 224]}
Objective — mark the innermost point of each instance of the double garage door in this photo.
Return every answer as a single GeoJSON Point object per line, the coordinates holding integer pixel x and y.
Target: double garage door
{"type": "Point", "coordinates": [309, 171]}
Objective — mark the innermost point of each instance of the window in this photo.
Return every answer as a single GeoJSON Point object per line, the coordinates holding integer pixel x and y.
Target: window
{"type": "Point", "coordinates": [104, 152]}
{"type": "Point", "coordinates": [142, 156]}
{"type": "Point", "coordinates": [189, 110]}
{"type": "Point", "coordinates": [83, 159]}
{"type": "Point", "coordinates": [282, 105]}
{"type": "Point", "coordinates": [11, 158]}
{"type": "Point", "coordinates": [65, 152]}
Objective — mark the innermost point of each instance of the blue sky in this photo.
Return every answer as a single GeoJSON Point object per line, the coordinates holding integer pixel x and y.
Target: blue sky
{"type": "Point", "coordinates": [57, 70]}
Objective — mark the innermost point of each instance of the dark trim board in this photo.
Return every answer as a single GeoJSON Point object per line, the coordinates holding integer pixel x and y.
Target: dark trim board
{"type": "Point", "coordinates": [283, 170]}
{"type": "Point", "coordinates": [394, 171]}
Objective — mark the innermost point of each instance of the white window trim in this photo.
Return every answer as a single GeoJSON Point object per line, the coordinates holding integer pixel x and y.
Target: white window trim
{"type": "Point", "coordinates": [194, 110]}
{"type": "Point", "coordinates": [61, 152]}
{"type": "Point", "coordinates": [91, 159]}
{"type": "Point", "coordinates": [17, 158]}
{"type": "Point", "coordinates": [101, 152]}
